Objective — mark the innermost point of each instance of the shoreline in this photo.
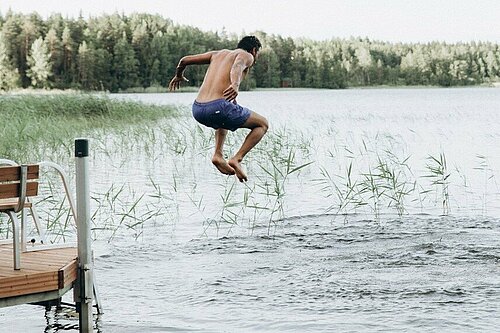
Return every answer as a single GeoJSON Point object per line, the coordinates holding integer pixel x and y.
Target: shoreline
{"type": "Point", "coordinates": [31, 91]}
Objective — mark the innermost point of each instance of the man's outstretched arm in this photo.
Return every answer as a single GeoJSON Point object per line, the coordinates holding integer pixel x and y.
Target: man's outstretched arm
{"type": "Point", "coordinates": [197, 59]}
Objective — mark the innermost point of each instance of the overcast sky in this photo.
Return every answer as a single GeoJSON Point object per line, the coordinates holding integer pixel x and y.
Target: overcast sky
{"type": "Point", "coordinates": [387, 20]}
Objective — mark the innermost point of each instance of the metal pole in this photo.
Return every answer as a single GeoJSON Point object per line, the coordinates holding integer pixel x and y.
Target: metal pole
{"type": "Point", "coordinates": [84, 286]}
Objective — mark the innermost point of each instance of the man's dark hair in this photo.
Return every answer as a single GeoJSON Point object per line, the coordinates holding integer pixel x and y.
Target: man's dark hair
{"type": "Point", "coordinates": [247, 43]}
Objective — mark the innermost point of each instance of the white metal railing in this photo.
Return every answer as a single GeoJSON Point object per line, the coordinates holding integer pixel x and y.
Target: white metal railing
{"type": "Point", "coordinates": [33, 211]}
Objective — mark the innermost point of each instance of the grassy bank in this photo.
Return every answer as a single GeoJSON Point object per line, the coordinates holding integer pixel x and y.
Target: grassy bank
{"type": "Point", "coordinates": [30, 122]}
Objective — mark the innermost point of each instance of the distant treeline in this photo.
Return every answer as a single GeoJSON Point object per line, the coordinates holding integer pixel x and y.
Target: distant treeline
{"type": "Point", "coordinates": [117, 52]}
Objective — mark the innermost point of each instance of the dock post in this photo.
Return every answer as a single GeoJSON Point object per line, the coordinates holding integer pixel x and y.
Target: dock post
{"type": "Point", "coordinates": [84, 288]}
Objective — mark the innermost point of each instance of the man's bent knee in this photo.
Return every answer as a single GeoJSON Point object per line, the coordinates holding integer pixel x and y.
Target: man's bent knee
{"type": "Point", "coordinates": [256, 120]}
{"type": "Point", "coordinates": [265, 124]}
{"type": "Point", "coordinates": [262, 122]}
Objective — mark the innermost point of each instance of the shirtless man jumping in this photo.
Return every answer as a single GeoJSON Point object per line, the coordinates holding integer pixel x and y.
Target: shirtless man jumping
{"type": "Point", "coordinates": [216, 105]}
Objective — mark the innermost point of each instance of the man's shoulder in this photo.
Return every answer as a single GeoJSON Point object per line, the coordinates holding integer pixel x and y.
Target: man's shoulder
{"type": "Point", "coordinates": [242, 53]}
{"type": "Point", "coordinates": [232, 53]}
{"type": "Point", "coordinates": [222, 52]}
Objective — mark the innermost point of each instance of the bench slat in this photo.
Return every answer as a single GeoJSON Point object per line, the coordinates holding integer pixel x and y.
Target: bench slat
{"type": "Point", "coordinates": [12, 190]}
{"type": "Point", "coordinates": [10, 204]}
{"type": "Point", "coordinates": [13, 173]}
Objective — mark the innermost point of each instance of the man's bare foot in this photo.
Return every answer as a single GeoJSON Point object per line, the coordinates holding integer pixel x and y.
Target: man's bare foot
{"type": "Point", "coordinates": [237, 168]}
{"type": "Point", "coordinates": [221, 164]}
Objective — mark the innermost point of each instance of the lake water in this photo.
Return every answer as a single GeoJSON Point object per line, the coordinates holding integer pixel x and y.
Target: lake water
{"type": "Point", "coordinates": [180, 247]}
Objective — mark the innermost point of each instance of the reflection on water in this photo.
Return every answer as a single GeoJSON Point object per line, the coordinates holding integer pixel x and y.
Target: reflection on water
{"type": "Point", "coordinates": [180, 247]}
{"type": "Point", "coordinates": [62, 318]}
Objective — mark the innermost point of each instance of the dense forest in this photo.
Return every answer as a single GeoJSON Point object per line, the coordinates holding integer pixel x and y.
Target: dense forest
{"type": "Point", "coordinates": [118, 52]}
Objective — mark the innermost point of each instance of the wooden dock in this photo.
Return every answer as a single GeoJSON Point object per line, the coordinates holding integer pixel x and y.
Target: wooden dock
{"type": "Point", "coordinates": [44, 275]}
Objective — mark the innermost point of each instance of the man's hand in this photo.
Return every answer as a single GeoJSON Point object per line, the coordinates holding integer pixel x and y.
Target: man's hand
{"type": "Point", "coordinates": [230, 93]}
{"type": "Point", "coordinates": [175, 83]}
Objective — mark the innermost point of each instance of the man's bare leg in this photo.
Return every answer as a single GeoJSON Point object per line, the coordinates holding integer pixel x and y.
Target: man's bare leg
{"type": "Point", "coordinates": [258, 126]}
{"type": "Point", "coordinates": [218, 159]}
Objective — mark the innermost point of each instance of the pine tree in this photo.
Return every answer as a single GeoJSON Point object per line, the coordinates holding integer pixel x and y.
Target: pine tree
{"type": "Point", "coordinates": [11, 30]}
{"type": "Point", "coordinates": [85, 66]}
{"type": "Point", "coordinates": [267, 72]}
{"type": "Point", "coordinates": [29, 33]}
{"type": "Point", "coordinates": [67, 49]}
{"type": "Point", "coordinates": [125, 65]}
{"type": "Point", "coordinates": [39, 64]}
{"type": "Point", "coordinates": [8, 75]}
{"type": "Point", "coordinates": [103, 70]}
{"type": "Point", "coordinates": [363, 55]}
{"type": "Point", "coordinates": [163, 63]}
{"type": "Point", "coordinates": [142, 47]}
{"type": "Point", "coordinates": [56, 55]}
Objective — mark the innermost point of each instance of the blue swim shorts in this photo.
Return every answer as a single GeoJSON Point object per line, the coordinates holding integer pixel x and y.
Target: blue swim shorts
{"type": "Point", "coordinates": [220, 113]}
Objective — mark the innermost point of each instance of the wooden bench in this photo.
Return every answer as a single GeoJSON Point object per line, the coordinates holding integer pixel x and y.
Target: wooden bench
{"type": "Point", "coordinates": [17, 184]}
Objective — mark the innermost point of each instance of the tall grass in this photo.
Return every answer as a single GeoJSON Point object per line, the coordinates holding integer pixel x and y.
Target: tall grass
{"type": "Point", "coordinates": [342, 188]}
{"type": "Point", "coordinates": [390, 183]}
{"type": "Point", "coordinates": [274, 186]}
{"type": "Point", "coordinates": [438, 173]}
{"type": "Point", "coordinates": [483, 166]}
{"type": "Point", "coordinates": [34, 124]}
{"type": "Point", "coordinates": [395, 184]}
{"type": "Point", "coordinates": [39, 127]}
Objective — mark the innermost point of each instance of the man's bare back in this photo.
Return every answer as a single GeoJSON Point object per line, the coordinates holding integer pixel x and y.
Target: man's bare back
{"type": "Point", "coordinates": [216, 105]}
{"type": "Point", "coordinates": [218, 75]}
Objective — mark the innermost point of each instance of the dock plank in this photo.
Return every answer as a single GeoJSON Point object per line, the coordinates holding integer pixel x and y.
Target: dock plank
{"type": "Point", "coordinates": [41, 271]}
